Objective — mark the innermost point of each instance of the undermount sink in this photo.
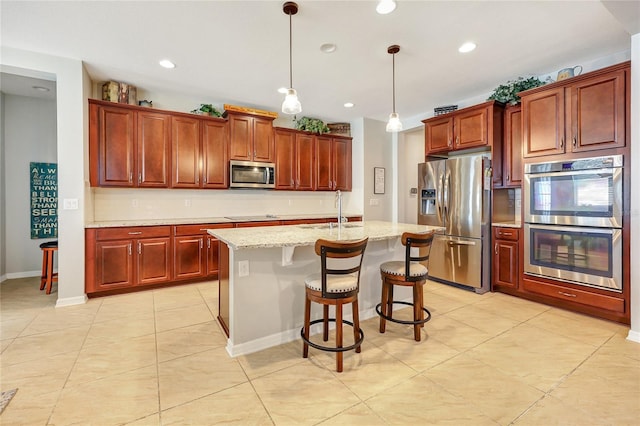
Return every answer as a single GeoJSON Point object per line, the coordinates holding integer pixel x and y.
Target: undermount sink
{"type": "Point", "coordinates": [330, 225]}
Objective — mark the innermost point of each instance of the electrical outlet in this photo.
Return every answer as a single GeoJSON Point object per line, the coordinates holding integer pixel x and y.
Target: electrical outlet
{"type": "Point", "coordinates": [374, 201]}
{"type": "Point", "coordinates": [134, 202]}
{"type": "Point", "coordinates": [187, 203]}
{"type": "Point", "coordinates": [243, 268]}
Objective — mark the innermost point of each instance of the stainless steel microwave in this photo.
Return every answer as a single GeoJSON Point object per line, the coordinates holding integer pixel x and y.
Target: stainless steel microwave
{"type": "Point", "coordinates": [251, 174]}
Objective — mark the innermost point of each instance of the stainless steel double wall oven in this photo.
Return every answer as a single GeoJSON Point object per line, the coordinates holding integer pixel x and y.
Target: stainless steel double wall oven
{"type": "Point", "coordinates": [573, 221]}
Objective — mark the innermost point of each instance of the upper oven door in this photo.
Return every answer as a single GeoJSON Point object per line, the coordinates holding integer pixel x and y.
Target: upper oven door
{"type": "Point", "coordinates": [581, 198]}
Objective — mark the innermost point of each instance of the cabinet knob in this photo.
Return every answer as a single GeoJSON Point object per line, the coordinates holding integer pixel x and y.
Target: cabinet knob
{"type": "Point", "coordinates": [495, 248]}
{"type": "Point", "coordinates": [457, 140]}
{"type": "Point", "coordinates": [575, 141]}
{"type": "Point", "coordinates": [139, 177]}
{"type": "Point", "coordinates": [507, 177]}
{"type": "Point", "coordinates": [562, 142]}
{"type": "Point", "coordinates": [129, 249]}
{"type": "Point", "coordinates": [130, 177]}
{"type": "Point", "coordinates": [139, 247]}
{"type": "Point", "coordinates": [449, 142]}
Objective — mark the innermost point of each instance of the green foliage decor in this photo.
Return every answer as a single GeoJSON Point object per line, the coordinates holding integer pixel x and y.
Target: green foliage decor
{"type": "Point", "coordinates": [313, 125]}
{"type": "Point", "coordinates": [207, 109]}
{"type": "Point", "coordinates": [508, 92]}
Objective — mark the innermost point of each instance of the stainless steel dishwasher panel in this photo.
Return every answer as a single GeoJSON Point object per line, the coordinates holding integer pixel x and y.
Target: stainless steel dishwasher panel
{"type": "Point", "coordinates": [456, 260]}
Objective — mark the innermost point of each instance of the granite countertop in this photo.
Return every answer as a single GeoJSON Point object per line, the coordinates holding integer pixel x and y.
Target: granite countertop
{"type": "Point", "coordinates": [513, 224]}
{"type": "Point", "coordinates": [300, 235]}
{"type": "Point", "coordinates": [205, 220]}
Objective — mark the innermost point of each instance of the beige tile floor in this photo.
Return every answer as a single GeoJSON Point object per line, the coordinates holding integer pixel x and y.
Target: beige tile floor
{"type": "Point", "coordinates": [157, 358]}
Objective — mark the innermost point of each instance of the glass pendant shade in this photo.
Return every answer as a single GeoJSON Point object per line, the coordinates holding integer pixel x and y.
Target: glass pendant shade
{"type": "Point", "coordinates": [385, 6]}
{"type": "Point", "coordinates": [291, 104]}
{"type": "Point", "coordinates": [394, 124]}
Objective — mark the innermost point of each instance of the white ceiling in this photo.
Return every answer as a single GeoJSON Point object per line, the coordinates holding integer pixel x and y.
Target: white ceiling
{"type": "Point", "coordinates": [237, 51]}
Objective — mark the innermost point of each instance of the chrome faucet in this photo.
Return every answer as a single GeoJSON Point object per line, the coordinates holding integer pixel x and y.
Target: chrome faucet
{"type": "Point", "coordinates": [339, 205]}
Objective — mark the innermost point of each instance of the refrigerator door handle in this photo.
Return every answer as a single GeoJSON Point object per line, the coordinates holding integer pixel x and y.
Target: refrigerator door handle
{"type": "Point", "coordinates": [440, 198]}
{"type": "Point", "coordinates": [445, 197]}
{"type": "Point", "coordinates": [461, 243]}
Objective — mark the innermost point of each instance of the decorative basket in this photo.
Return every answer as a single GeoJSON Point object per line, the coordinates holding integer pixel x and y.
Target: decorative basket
{"type": "Point", "coordinates": [444, 109]}
{"type": "Point", "coordinates": [123, 93]}
{"type": "Point", "coordinates": [340, 128]}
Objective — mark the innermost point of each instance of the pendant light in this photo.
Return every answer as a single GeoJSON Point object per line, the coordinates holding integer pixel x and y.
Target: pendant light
{"type": "Point", "coordinates": [394, 124]}
{"type": "Point", "coordinates": [291, 104]}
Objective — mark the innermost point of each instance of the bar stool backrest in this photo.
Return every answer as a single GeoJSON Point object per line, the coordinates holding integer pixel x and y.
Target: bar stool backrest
{"type": "Point", "coordinates": [340, 250]}
{"type": "Point", "coordinates": [420, 241]}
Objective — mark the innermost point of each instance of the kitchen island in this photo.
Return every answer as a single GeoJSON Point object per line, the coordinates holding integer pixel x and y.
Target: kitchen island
{"type": "Point", "coordinates": [262, 270]}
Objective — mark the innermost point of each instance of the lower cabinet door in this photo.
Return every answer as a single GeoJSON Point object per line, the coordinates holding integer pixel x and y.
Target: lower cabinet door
{"type": "Point", "coordinates": [505, 266]}
{"type": "Point", "coordinates": [114, 265]}
{"type": "Point", "coordinates": [188, 257]}
{"type": "Point", "coordinates": [212, 256]}
{"type": "Point", "coordinates": [154, 260]}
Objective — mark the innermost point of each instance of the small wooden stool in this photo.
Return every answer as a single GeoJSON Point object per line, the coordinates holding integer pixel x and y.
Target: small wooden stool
{"type": "Point", "coordinates": [48, 276]}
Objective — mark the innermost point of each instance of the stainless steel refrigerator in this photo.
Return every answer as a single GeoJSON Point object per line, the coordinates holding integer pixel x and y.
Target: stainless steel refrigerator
{"type": "Point", "coordinates": [455, 193]}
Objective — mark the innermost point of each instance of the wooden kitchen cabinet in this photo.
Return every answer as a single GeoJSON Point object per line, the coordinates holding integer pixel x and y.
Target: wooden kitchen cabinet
{"type": "Point", "coordinates": [512, 169]}
{"type": "Point", "coordinates": [251, 137]}
{"type": "Point", "coordinates": [584, 113]}
{"type": "Point", "coordinates": [195, 252]}
{"type": "Point", "coordinates": [199, 153]}
{"type": "Point", "coordinates": [472, 127]}
{"type": "Point", "coordinates": [128, 147]}
{"type": "Point", "coordinates": [506, 264]}
{"type": "Point", "coordinates": [294, 160]}
{"type": "Point", "coordinates": [333, 163]}
{"type": "Point", "coordinates": [119, 258]}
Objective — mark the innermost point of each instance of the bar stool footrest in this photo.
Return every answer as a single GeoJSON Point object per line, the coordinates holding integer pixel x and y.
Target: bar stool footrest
{"type": "Point", "coordinates": [399, 321]}
{"type": "Point", "coordinates": [331, 348]}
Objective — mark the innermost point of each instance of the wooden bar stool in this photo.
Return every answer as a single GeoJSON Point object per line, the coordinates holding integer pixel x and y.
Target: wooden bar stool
{"type": "Point", "coordinates": [407, 272]}
{"type": "Point", "coordinates": [337, 284]}
{"type": "Point", "coordinates": [48, 276]}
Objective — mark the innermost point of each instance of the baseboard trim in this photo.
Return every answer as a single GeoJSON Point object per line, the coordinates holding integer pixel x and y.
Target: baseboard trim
{"type": "Point", "coordinates": [634, 336]}
{"type": "Point", "coordinates": [70, 301]}
{"type": "Point", "coordinates": [284, 337]}
{"type": "Point", "coordinates": [25, 274]}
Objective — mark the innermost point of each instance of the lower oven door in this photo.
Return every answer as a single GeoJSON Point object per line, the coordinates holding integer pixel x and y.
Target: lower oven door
{"type": "Point", "coordinates": [587, 256]}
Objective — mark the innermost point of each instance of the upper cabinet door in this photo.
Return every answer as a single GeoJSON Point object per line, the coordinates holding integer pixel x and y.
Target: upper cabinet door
{"type": "Point", "coordinates": [305, 170]}
{"type": "Point", "coordinates": [324, 163]}
{"type": "Point", "coordinates": [241, 133]}
{"type": "Point", "coordinates": [470, 129]}
{"type": "Point", "coordinates": [512, 170]}
{"type": "Point", "coordinates": [215, 165]}
{"type": "Point", "coordinates": [342, 164]}
{"type": "Point", "coordinates": [285, 159]}
{"type": "Point", "coordinates": [185, 149]}
{"type": "Point", "coordinates": [438, 134]}
{"type": "Point", "coordinates": [154, 149]}
{"type": "Point", "coordinates": [543, 123]}
{"type": "Point", "coordinates": [115, 146]}
{"type": "Point", "coordinates": [263, 149]}
{"type": "Point", "coordinates": [598, 112]}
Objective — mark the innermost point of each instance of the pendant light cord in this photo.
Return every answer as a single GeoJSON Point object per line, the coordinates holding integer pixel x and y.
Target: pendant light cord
{"type": "Point", "coordinates": [290, 55]}
{"type": "Point", "coordinates": [394, 81]}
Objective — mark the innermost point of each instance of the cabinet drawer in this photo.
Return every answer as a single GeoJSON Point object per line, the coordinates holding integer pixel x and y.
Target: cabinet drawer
{"type": "Point", "coordinates": [133, 232]}
{"type": "Point", "coordinates": [181, 230]}
{"type": "Point", "coordinates": [511, 234]}
{"type": "Point", "coordinates": [611, 303]}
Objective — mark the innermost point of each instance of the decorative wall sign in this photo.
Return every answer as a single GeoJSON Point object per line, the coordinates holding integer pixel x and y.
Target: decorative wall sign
{"type": "Point", "coordinates": [378, 180]}
{"type": "Point", "coordinates": [44, 200]}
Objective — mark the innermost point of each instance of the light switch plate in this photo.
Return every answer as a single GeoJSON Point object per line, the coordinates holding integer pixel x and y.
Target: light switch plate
{"type": "Point", "coordinates": [70, 204]}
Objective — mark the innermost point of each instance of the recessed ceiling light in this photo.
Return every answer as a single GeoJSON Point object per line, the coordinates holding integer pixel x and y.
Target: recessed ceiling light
{"type": "Point", "coordinates": [385, 6]}
{"type": "Point", "coordinates": [40, 88]}
{"type": "Point", "coordinates": [165, 63]}
{"type": "Point", "coordinates": [348, 104]}
{"type": "Point", "coordinates": [328, 48]}
{"type": "Point", "coordinates": [467, 47]}
{"type": "Point", "coordinates": [282, 90]}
